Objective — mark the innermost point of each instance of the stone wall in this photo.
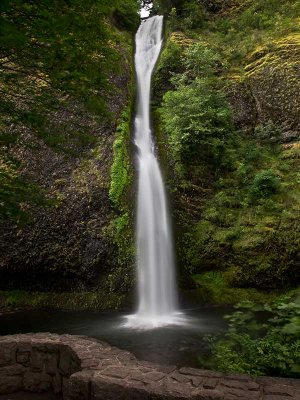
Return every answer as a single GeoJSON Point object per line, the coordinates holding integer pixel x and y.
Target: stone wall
{"type": "Point", "coordinates": [82, 368]}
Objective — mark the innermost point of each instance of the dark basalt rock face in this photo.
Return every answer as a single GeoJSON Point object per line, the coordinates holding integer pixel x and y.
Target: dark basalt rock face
{"type": "Point", "coordinates": [81, 368]}
{"type": "Point", "coordinates": [64, 246]}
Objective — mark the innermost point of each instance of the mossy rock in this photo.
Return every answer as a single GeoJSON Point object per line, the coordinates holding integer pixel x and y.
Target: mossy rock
{"type": "Point", "coordinates": [242, 101]}
{"type": "Point", "coordinates": [214, 288]}
{"type": "Point", "coordinates": [272, 73]}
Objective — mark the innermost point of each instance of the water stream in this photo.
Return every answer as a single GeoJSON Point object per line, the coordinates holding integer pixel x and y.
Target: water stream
{"type": "Point", "coordinates": [157, 296]}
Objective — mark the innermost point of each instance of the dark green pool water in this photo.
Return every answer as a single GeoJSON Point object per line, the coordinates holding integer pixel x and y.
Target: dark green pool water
{"type": "Point", "coordinates": [180, 345]}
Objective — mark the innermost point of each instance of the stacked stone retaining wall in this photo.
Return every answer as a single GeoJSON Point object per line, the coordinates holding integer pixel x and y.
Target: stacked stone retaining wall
{"type": "Point", "coordinates": [82, 368]}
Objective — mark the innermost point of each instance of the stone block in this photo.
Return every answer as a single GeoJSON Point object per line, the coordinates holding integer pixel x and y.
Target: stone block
{"type": "Point", "coordinates": [276, 397]}
{"type": "Point", "coordinates": [57, 383]}
{"type": "Point", "coordinates": [208, 395]}
{"type": "Point", "coordinates": [37, 381]}
{"type": "Point", "coordinates": [7, 353]}
{"type": "Point", "coordinates": [241, 394]}
{"type": "Point", "coordinates": [10, 384]}
{"type": "Point", "coordinates": [210, 383]}
{"type": "Point", "coordinates": [182, 378]}
{"type": "Point", "coordinates": [154, 376]}
{"type": "Point", "coordinates": [75, 364]}
{"type": "Point", "coordinates": [23, 357]}
{"type": "Point", "coordinates": [12, 370]}
{"type": "Point", "coordinates": [279, 390]}
{"type": "Point", "coordinates": [103, 388]}
{"type": "Point", "coordinates": [24, 347]}
{"type": "Point", "coordinates": [78, 386]}
{"type": "Point", "coordinates": [200, 372]}
{"type": "Point", "coordinates": [173, 390]}
{"type": "Point", "coordinates": [44, 361]}
{"type": "Point", "coordinates": [65, 387]}
{"type": "Point", "coordinates": [116, 372]}
{"type": "Point", "coordinates": [11, 378]}
{"type": "Point", "coordinates": [65, 360]}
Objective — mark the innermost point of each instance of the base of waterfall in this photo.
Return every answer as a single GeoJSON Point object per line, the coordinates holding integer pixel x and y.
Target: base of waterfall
{"type": "Point", "coordinates": [145, 321]}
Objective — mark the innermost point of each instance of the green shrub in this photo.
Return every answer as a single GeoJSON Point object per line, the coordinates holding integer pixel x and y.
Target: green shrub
{"type": "Point", "coordinates": [264, 185]}
{"type": "Point", "coordinates": [252, 347]}
{"type": "Point", "coordinates": [197, 120]}
{"type": "Point", "coordinates": [201, 60]}
{"type": "Point", "coordinates": [170, 63]}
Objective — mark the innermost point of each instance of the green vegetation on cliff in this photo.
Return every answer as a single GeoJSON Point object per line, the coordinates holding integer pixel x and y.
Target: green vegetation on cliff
{"type": "Point", "coordinates": [54, 55]}
{"type": "Point", "coordinates": [226, 92]}
{"type": "Point", "coordinates": [228, 97]}
{"type": "Point", "coordinates": [121, 168]}
{"type": "Point", "coordinates": [66, 77]}
{"type": "Point", "coordinates": [120, 229]}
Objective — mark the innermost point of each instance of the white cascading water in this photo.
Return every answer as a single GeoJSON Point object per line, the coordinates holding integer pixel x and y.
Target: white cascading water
{"type": "Point", "coordinates": [157, 296]}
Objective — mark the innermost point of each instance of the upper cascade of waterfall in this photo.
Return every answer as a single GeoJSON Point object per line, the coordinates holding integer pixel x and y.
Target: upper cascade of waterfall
{"type": "Point", "coordinates": [157, 294]}
{"type": "Point", "coordinates": [148, 47]}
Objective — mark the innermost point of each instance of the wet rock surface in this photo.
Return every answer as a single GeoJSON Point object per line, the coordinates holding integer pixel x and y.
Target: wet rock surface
{"type": "Point", "coordinates": [82, 368]}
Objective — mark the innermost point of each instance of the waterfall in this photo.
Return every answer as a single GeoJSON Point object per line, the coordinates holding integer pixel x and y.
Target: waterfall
{"type": "Point", "coordinates": [157, 297]}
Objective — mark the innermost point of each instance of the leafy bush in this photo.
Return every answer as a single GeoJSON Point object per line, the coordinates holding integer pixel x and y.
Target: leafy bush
{"type": "Point", "coordinates": [197, 120]}
{"type": "Point", "coordinates": [201, 60]}
{"type": "Point", "coordinates": [170, 62]}
{"type": "Point", "coordinates": [270, 348]}
{"type": "Point", "coordinates": [265, 184]}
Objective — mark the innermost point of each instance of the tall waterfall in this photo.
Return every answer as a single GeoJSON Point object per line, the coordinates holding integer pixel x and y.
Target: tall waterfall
{"type": "Point", "coordinates": [157, 297]}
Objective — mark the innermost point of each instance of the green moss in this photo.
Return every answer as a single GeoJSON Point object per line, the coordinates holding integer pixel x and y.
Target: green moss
{"type": "Point", "coordinates": [63, 301]}
{"type": "Point", "coordinates": [120, 228]}
{"type": "Point", "coordinates": [214, 288]}
{"type": "Point", "coordinates": [236, 230]}
{"type": "Point", "coordinates": [121, 174]}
